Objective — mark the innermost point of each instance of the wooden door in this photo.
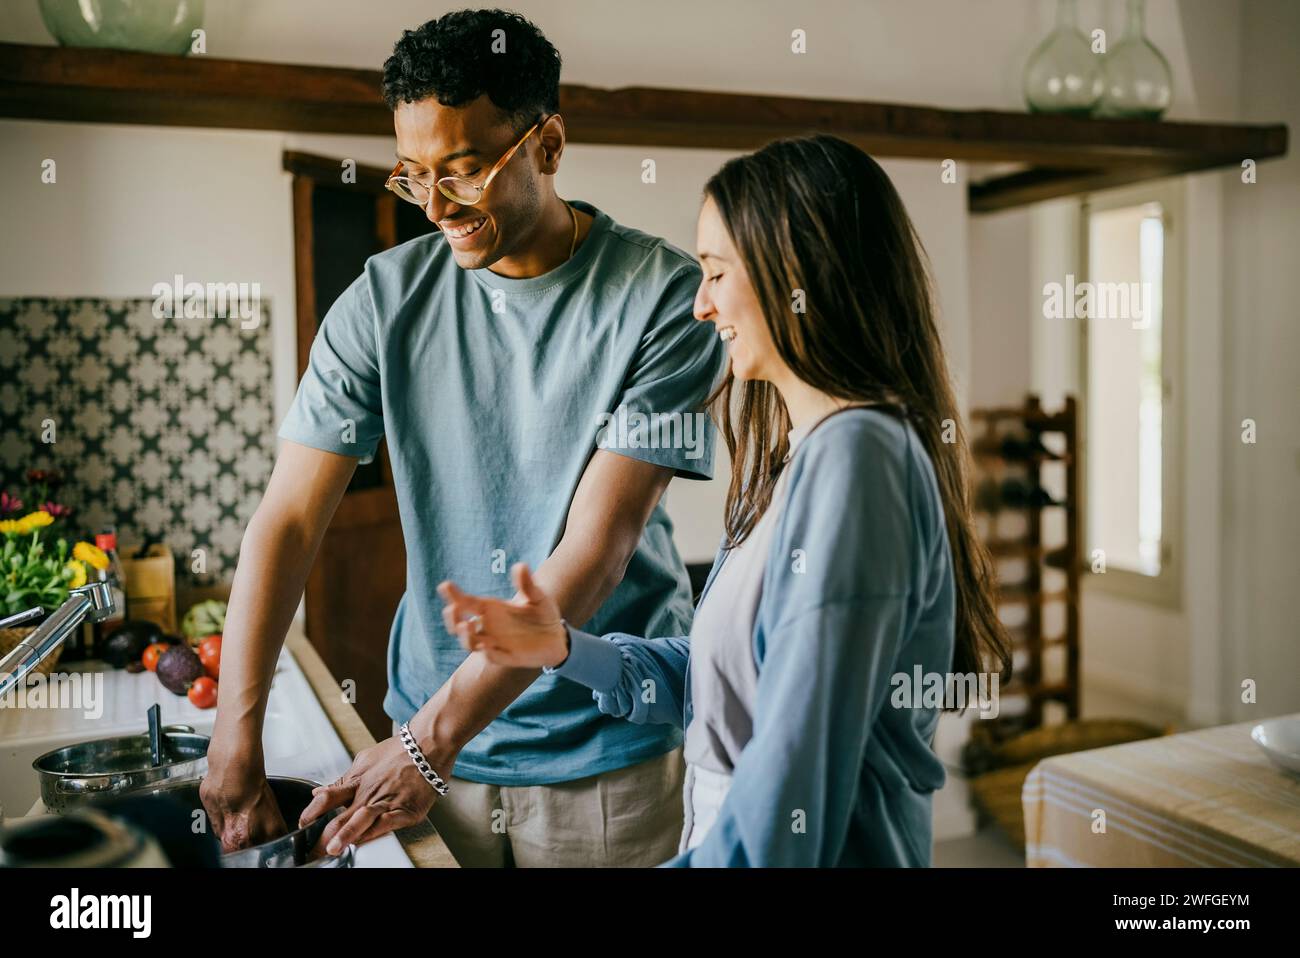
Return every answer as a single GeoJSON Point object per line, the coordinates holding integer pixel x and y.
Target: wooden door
{"type": "Point", "coordinates": [360, 572]}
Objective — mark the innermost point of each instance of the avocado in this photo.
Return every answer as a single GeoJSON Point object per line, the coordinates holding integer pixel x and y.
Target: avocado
{"type": "Point", "coordinates": [126, 643]}
{"type": "Point", "coordinates": [178, 667]}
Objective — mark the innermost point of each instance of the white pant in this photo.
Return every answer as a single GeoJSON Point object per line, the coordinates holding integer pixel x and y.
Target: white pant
{"type": "Point", "coordinates": [702, 795]}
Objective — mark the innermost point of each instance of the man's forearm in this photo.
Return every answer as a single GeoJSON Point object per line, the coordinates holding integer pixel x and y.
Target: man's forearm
{"type": "Point", "coordinates": [273, 566]}
{"type": "Point", "coordinates": [580, 579]}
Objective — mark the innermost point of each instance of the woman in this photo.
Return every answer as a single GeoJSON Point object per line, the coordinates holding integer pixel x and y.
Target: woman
{"type": "Point", "coordinates": [849, 557]}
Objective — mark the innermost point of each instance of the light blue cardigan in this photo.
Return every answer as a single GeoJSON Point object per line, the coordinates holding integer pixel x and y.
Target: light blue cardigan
{"type": "Point", "coordinates": [858, 589]}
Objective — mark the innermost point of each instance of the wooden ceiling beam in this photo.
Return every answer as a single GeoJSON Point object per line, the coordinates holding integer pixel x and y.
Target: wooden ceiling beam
{"type": "Point", "coordinates": [1064, 154]}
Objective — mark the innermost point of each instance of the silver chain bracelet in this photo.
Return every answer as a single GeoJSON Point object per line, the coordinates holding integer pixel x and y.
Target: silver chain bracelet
{"type": "Point", "coordinates": [433, 778]}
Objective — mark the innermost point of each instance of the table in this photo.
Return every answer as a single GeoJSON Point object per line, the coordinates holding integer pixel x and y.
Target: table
{"type": "Point", "coordinates": [1208, 798]}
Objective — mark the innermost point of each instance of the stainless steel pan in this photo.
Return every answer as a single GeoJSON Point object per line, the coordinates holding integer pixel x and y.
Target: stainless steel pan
{"type": "Point", "coordinates": [73, 774]}
{"type": "Point", "coordinates": [296, 849]}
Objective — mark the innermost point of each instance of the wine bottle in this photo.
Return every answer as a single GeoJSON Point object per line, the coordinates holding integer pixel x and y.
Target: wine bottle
{"type": "Point", "coordinates": [116, 577]}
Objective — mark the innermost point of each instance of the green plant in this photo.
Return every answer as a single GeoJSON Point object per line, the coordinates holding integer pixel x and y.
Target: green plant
{"type": "Point", "coordinates": [35, 575]}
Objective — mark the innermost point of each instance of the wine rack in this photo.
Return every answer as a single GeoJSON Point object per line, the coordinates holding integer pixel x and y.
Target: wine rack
{"type": "Point", "coordinates": [1014, 471]}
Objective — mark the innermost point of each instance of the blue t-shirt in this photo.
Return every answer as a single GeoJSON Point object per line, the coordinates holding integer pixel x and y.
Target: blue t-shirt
{"type": "Point", "coordinates": [493, 394]}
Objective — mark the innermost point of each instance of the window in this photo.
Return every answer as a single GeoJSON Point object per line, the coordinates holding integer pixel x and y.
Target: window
{"type": "Point", "coordinates": [1128, 305]}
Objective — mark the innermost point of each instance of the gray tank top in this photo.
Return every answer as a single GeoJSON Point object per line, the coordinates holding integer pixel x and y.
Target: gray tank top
{"type": "Point", "coordinates": [724, 675]}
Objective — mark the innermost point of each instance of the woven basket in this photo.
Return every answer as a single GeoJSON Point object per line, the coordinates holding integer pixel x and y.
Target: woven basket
{"type": "Point", "coordinates": [997, 794]}
{"type": "Point", "coordinates": [1003, 767]}
{"type": "Point", "coordinates": [9, 639]}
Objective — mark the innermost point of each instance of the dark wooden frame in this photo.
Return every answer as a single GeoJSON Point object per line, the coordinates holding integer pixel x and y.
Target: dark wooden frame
{"type": "Point", "coordinates": [309, 169]}
{"type": "Point", "coordinates": [1061, 155]}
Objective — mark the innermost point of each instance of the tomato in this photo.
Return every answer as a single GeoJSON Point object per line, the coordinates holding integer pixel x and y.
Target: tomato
{"type": "Point", "coordinates": [151, 654]}
{"type": "Point", "coordinates": [203, 692]}
{"type": "Point", "coordinates": [210, 655]}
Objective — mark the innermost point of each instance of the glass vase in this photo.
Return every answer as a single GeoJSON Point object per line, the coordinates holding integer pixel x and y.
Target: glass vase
{"type": "Point", "coordinates": [1063, 75]}
{"type": "Point", "coordinates": [1137, 79]}
{"type": "Point", "coordinates": [152, 26]}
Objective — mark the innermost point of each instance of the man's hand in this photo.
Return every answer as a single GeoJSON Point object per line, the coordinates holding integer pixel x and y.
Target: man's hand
{"type": "Point", "coordinates": [382, 791]}
{"type": "Point", "coordinates": [525, 632]}
{"type": "Point", "coordinates": [241, 809]}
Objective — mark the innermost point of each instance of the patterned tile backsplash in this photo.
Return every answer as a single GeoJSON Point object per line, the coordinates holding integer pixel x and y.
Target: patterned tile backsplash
{"type": "Point", "coordinates": [163, 427]}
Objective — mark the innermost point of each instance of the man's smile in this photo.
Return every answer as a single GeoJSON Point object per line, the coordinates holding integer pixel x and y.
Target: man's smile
{"type": "Point", "coordinates": [469, 228]}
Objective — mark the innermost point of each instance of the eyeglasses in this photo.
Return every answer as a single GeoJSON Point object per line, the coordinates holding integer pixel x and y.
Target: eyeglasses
{"type": "Point", "coordinates": [455, 188]}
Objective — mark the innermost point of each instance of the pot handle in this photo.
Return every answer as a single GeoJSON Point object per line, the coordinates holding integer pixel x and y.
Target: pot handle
{"type": "Point", "coordinates": [188, 729]}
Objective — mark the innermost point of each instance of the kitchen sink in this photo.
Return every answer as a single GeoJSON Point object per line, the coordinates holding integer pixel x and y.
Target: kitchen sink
{"type": "Point", "coordinates": [298, 739]}
{"type": "Point", "coordinates": [20, 789]}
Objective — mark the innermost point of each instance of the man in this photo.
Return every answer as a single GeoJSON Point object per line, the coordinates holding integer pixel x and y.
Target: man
{"type": "Point", "coordinates": [489, 355]}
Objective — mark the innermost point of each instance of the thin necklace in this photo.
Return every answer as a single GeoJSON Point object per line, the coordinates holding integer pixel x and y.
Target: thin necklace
{"type": "Point", "coordinates": [573, 215]}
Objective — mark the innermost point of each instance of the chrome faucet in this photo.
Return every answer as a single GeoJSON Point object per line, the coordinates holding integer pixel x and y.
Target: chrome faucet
{"type": "Point", "coordinates": [93, 601]}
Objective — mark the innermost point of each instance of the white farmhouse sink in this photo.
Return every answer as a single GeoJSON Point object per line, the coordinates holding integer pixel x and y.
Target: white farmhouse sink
{"type": "Point", "coordinates": [298, 739]}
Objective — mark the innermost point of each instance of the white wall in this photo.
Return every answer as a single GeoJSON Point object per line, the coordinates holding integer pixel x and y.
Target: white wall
{"type": "Point", "coordinates": [1261, 248]}
{"type": "Point", "coordinates": [1240, 356]}
{"type": "Point", "coordinates": [131, 207]}
{"type": "Point", "coordinates": [1002, 299]}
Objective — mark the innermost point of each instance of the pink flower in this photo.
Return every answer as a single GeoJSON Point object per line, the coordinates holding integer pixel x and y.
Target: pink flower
{"type": "Point", "coordinates": [9, 504]}
{"type": "Point", "coordinates": [56, 510]}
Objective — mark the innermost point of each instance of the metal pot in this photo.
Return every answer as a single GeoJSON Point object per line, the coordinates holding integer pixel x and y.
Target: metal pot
{"type": "Point", "coordinates": [73, 774]}
{"type": "Point", "coordinates": [296, 849]}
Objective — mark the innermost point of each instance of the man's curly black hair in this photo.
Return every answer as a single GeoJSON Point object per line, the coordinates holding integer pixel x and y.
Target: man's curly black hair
{"type": "Point", "coordinates": [453, 58]}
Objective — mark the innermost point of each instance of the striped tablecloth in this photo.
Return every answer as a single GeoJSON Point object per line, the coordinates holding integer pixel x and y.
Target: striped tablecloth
{"type": "Point", "coordinates": [1207, 798]}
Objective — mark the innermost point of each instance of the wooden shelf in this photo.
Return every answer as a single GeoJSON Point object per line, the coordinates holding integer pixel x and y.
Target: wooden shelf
{"type": "Point", "coordinates": [1021, 508]}
{"type": "Point", "coordinates": [1038, 690]}
{"type": "Point", "coordinates": [1056, 422]}
{"type": "Point", "coordinates": [1009, 596]}
{"type": "Point", "coordinates": [1023, 639]}
{"type": "Point", "coordinates": [1056, 558]}
{"type": "Point", "coordinates": [1062, 155]}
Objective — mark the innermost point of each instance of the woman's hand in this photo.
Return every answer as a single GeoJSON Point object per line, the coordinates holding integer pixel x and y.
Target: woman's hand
{"type": "Point", "coordinates": [525, 632]}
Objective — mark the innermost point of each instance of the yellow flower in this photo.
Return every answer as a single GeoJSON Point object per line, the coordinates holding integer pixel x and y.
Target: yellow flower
{"type": "Point", "coordinates": [78, 571]}
{"type": "Point", "coordinates": [9, 527]}
{"type": "Point", "coordinates": [91, 555]}
{"type": "Point", "coordinates": [27, 524]}
{"type": "Point", "coordinates": [31, 521]}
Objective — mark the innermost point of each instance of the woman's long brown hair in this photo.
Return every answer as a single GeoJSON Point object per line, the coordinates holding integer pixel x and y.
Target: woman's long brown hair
{"type": "Point", "coordinates": [819, 226]}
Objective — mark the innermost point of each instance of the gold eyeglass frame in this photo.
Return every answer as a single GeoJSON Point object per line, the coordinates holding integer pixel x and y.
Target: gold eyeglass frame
{"type": "Point", "coordinates": [405, 187]}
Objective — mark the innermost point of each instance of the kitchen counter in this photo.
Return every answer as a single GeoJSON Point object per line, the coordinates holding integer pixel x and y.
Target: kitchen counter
{"type": "Point", "coordinates": [311, 732]}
